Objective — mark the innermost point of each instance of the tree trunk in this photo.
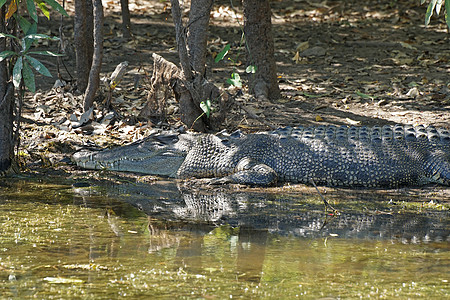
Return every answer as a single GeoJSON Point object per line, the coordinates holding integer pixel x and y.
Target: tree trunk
{"type": "Point", "coordinates": [83, 40]}
{"type": "Point", "coordinates": [94, 74]}
{"type": "Point", "coordinates": [197, 33]}
{"type": "Point", "coordinates": [6, 125]}
{"type": "Point", "coordinates": [258, 34]}
{"type": "Point", "coordinates": [6, 106]}
{"type": "Point", "coordinates": [189, 100]}
{"type": "Point", "coordinates": [126, 22]}
{"type": "Point", "coordinates": [188, 83]}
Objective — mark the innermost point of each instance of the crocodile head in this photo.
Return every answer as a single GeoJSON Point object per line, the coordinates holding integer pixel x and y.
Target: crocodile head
{"type": "Point", "coordinates": [161, 153]}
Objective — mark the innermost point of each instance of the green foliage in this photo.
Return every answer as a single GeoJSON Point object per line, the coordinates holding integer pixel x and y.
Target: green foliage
{"type": "Point", "coordinates": [436, 5]}
{"type": "Point", "coordinates": [24, 63]}
{"type": "Point", "coordinates": [222, 53]}
{"type": "Point", "coordinates": [206, 107]}
{"type": "Point", "coordinates": [53, 4]}
{"type": "Point", "coordinates": [235, 80]}
{"type": "Point", "coordinates": [251, 69]}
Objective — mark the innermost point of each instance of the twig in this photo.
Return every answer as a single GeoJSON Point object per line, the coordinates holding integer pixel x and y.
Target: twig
{"type": "Point", "coordinates": [323, 198]}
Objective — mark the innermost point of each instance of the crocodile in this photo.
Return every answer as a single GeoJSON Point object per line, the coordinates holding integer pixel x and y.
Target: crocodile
{"type": "Point", "coordinates": [379, 156]}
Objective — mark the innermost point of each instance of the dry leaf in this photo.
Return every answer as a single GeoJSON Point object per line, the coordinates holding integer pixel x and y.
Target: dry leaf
{"type": "Point", "coordinates": [407, 46]}
{"type": "Point", "coordinates": [11, 9]}
{"type": "Point", "coordinates": [352, 122]}
{"type": "Point", "coordinates": [302, 46]}
{"type": "Point", "coordinates": [296, 57]}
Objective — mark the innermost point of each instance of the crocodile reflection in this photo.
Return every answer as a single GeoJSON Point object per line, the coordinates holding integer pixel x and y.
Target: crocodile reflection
{"type": "Point", "coordinates": [186, 221]}
{"type": "Point", "coordinates": [286, 216]}
{"type": "Point", "coordinates": [257, 219]}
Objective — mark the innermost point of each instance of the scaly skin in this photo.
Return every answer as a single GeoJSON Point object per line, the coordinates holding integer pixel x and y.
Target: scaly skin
{"type": "Point", "coordinates": [388, 156]}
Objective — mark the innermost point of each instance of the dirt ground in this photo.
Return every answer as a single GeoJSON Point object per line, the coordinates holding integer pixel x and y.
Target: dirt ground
{"type": "Point", "coordinates": [339, 62]}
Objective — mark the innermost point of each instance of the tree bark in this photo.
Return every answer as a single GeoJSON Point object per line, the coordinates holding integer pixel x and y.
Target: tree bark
{"type": "Point", "coordinates": [189, 100]}
{"type": "Point", "coordinates": [197, 33]}
{"type": "Point", "coordinates": [84, 41]}
{"type": "Point", "coordinates": [6, 106]}
{"type": "Point", "coordinates": [258, 34]}
{"type": "Point", "coordinates": [94, 74]}
{"type": "Point", "coordinates": [6, 125]}
{"type": "Point", "coordinates": [126, 22]}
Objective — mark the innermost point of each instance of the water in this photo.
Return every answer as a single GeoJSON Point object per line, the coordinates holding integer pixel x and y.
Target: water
{"type": "Point", "coordinates": [152, 241]}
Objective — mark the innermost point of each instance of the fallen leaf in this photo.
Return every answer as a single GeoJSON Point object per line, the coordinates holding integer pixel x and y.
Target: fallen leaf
{"type": "Point", "coordinates": [352, 122]}
{"type": "Point", "coordinates": [314, 51]}
{"type": "Point", "coordinates": [302, 46]}
{"type": "Point", "coordinates": [407, 46]}
{"type": "Point", "coordinates": [365, 96]}
{"type": "Point", "coordinates": [296, 57]}
{"type": "Point", "coordinates": [413, 93]}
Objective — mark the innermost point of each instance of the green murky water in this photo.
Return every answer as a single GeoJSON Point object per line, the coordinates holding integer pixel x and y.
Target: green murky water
{"type": "Point", "coordinates": [57, 241]}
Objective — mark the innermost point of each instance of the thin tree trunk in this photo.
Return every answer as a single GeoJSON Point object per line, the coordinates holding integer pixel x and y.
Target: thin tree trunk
{"type": "Point", "coordinates": [258, 34]}
{"type": "Point", "coordinates": [6, 106]}
{"type": "Point", "coordinates": [197, 33]}
{"type": "Point", "coordinates": [6, 126]}
{"type": "Point", "coordinates": [126, 22]}
{"type": "Point", "coordinates": [3, 72]}
{"type": "Point", "coordinates": [84, 43]}
{"type": "Point", "coordinates": [94, 74]}
{"type": "Point", "coordinates": [189, 99]}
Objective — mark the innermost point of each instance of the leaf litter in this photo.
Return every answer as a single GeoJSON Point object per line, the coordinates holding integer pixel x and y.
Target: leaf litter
{"type": "Point", "coordinates": [377, 64]}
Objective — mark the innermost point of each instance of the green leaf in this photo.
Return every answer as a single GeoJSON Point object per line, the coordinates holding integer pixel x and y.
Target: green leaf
{"type": "Point", "coordinates": [29, 39]}
{"type": "Point", "coordinates": [26, 44]}
{"type": "Point", "coordinates": [37, 36]}
{"type": "Point", "coordinates": [430, 11]}
{"type": "Point", "coordinates": [222, 53]}
{"type": "Point", "coordinates": [6, 54]}
{"type": "Point", "coordinates": [206, 107]}
{"type": "Point", "coordinates": [28, 77]}
{"type": "Point", "coordinates": [235, 80]}
{"type": "Point", "coordinates": [56, 6]}
{"type": "Point", "coordinates": [38, 66]}
{"type": "Point", "coordinates": [33, 29]}
{"type": "Point", "coordinates": [2, 2]}
{"type": "Point", "coordinates": [3, 35]}
{"type": "Point", "coordinates": [44, 9]}
{"type": "Point", "coordinates": [32, 10]}
{"type": "Point", "coordinates": [17, 72]}
{"type": "Point", "coordinates": [251, 69]}
{"type": "Point", "coordinates": [24, 24]}
{"type": "Point", "coordinates": [48, 53]}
